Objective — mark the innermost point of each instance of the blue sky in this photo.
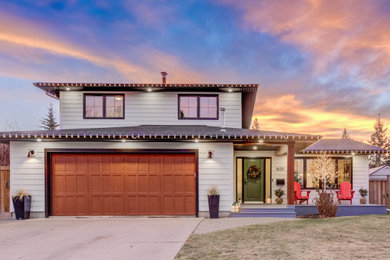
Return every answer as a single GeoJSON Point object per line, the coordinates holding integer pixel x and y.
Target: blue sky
{"type": "Point", "coordinates": [322, 65]}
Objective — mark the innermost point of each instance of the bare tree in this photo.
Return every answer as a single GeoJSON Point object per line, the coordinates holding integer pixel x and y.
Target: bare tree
{"type": "Point", "coordinates": [324, 169]}
{"type": "Point", "coordinates": [345, 134]}
{"type": "Point", "coordinates": [4, 154]}
{"type": "Point", "coordinates": [255, 125]}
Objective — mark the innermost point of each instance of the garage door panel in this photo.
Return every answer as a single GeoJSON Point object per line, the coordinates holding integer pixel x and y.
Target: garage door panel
{"type": "Point", "coordinates": [142, 164]}
{"type": "Point", "coordinates": [82, 184]}
{"type": "Point", "coordinates": [132, 205]}
{"type": "Point", "coordinates": [131, 183]}
{"type": "Point", "coordinates": [143, 183]}
{"type": "Point", "coordinates": [70, 184]}
{"type": "Point", "coordinates": [123, 184]}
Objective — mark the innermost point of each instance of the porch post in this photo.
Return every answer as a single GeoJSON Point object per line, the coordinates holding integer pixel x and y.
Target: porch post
{"type": "Point", "coordinates": [290, 173]}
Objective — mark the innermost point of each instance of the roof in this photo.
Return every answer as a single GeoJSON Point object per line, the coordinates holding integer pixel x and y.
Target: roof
{"type": "Point", "coordinates": [157, 133]}
{"type": "Point", "coordinates": [379, 173]}
{"type": "Point", "coordinates": [381, 170]}
{"type": "Point", "coordinates": [343, 146]}
{"type": "Point", "coordinates": [248, 91]}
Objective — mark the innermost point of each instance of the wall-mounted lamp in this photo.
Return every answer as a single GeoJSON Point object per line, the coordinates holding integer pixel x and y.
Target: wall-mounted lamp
{"type": "Point", "coordinates": [353, 153]}
{"type": "Point", "coordinates": [210, 154]}
{"type": "Point", "coordinates": [31, 154]}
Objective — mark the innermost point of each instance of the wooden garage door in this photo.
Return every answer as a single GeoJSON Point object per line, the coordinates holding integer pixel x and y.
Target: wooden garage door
{"type": "Point", "coordinates": [123, 184]}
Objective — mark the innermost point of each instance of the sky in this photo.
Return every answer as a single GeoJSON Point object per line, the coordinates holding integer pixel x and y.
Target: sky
{"type": "Point", "coordinates": [322, 65]}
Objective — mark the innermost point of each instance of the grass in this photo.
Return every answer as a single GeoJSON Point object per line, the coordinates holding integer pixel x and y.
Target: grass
{"type": "Point", "coordinates": [363, 237]}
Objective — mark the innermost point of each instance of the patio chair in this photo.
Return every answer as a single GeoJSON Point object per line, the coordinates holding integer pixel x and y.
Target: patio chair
{"type": "Point", "coordinates": [298, 194]}
{"type": "Point", "coordinates": [345, 192]}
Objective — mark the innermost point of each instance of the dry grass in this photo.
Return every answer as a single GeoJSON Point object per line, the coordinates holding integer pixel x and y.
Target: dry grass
{"type": "Point", "coordinates": [363, 237]}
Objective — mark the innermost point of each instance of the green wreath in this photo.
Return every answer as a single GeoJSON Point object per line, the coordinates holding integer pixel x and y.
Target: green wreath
{"type": "Point", "coordinates": [253, 172]}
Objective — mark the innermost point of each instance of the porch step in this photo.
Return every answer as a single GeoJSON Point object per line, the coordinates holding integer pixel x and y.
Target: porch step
{"type": "Point", "coordinates": [276, 212]}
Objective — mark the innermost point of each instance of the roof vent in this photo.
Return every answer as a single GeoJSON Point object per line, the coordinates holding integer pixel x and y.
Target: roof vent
{"type": "Point", "coordinates": [164, 77]}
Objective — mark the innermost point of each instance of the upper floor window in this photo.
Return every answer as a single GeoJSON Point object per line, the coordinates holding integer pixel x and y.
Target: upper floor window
{"type": "Point", "coordinates": [107, 106]}
{"type": "Point", "coordinates": [303, 175]}
{"type": "Point", "coordinates": [198, 106]}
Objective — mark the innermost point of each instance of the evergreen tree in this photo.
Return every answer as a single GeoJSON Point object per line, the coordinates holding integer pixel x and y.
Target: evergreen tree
{"type": "Point", "coordinates": [345, 134]}
{"type": "Point", "coordinates": [379, 138]}
{"type": "Point", "coordinates": [49, 122]}
{"type": "Point", "coordinates": [255, 125]}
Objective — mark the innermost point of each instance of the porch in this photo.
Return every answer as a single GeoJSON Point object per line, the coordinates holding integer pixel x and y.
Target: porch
{"type": "Point", "coordinates": [293, 211]}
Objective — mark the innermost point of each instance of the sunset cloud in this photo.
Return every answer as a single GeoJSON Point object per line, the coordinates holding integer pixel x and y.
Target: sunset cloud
{"type": "Point", "coordinates": [16, 33]}
{"type": "Point", "coordinates": [322, 65]}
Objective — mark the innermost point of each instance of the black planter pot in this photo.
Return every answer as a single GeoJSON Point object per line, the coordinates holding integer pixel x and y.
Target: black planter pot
{"type": "Point", "coordinates": [22, 207]}
{"type": "Point", "coordinates": [214, 206]}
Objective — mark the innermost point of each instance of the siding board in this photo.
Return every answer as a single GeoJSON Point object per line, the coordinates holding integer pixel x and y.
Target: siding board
{"type": "Point", "coordinates": [158, 108]}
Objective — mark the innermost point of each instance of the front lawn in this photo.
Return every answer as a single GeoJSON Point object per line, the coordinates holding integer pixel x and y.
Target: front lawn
{"type": "Point", "coordinates": [336, 238]}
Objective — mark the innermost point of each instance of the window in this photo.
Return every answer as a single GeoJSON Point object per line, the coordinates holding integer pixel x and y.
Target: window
{"type": "Point", "coordinates": [198, 106]}
{"type": "Point", "coordinates": [99, 106]}
{"type": "Point", "coordinates": [303, 175]}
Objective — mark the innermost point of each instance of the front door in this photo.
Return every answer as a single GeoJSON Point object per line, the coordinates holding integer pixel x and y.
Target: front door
{"type": "Point", "coordinates": [253, 179]}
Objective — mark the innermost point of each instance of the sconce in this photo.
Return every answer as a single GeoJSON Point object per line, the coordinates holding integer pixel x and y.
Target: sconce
{"type": "Point", "coordinates": [31, 154]}
{"type": "Point", "coordinates": [210, 154]}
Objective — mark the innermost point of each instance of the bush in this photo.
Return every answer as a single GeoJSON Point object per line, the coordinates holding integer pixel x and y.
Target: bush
{"type": "Point", "coordinates": [363, 192]}
{"type": "Point", "coordinates": [326, 205]}
{"type": "Point", "coordinates": [279, 192]}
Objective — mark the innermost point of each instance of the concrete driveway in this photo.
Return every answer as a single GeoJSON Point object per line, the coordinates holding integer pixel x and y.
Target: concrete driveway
{"type": "Point", "coordinates": [94, 238]}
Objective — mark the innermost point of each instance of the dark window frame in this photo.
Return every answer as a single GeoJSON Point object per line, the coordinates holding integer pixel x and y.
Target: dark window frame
{"type": "Point", "coordinates": [104, 105]}
{"type": "Point", "coordinates": [336, 165]}
{"type": "Point", "coordinates": [198, 96]}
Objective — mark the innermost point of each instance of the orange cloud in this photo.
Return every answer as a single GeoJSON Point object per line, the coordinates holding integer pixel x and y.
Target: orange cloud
{"type": "Point", "coordinates": [16, 32]}
{"type": "Point", "coordinates": [286, 113]}
{"type": "Point", "coordinates": [353, 33]}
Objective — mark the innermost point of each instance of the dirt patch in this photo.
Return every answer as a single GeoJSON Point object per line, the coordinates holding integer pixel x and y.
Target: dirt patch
{"type": "Point", "coordinates": [341, 238]}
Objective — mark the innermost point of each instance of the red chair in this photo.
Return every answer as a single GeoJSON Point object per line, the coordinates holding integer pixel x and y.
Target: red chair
{"type": "Point", "coordinates": [345, 192]}
{"type": "Point", "coordinates": [298, 194]}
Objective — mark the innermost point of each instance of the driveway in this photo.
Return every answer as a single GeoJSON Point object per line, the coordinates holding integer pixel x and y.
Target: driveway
{"type": "Point", "coordinates": [94, 238]}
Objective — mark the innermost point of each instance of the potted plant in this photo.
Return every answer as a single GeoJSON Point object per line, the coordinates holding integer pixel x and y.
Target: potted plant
{"type": "Point", "coordinates": [363, 193]}
{"type": "Point", "coordinates": [279, 193]}
{"type": "Point", "coordinates": [22, 204]}
{"type": "Point", "coordinates": [213, 198]}
{"type": "Point", "coordinates": [236, 206]}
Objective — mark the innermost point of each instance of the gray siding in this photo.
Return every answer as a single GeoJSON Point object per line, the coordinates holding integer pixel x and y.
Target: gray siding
{"type": "Point", "coordinates": [146, 108]}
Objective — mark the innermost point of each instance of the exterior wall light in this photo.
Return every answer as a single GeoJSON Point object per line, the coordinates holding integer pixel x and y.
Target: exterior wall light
{"type": "Point", "coordinates": [353, 153]}
{"type": "Point", "coordinates": [196, 140]}
{"type": "Point", "coordinates": [67, 89]}
{"type": "Point", "coordinates": [261, 141]}
{"type": "Point", "coordinates": [31, 154]}
{"type": "Point", "coordinates": [39, 140]}
{"type": "Point", "coordinates": [149, 90]}
{"type": "Point", "coordinates": [210, 154]}
{"type": "Point", "coordinates": [230, 90]}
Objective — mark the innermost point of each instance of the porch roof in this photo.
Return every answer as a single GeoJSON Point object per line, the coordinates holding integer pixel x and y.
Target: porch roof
{"type": "Point", "coordinates": [158, 133]}
{"type": "Point", "coordinates": [343, 146]}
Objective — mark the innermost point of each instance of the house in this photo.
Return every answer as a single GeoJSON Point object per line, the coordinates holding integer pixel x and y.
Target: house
{"type": "Point", "coordinates": [156, 149]}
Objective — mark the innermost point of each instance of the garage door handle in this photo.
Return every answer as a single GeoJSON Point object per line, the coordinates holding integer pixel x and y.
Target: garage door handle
{"type": "Point", "coordinates": [195, 175]}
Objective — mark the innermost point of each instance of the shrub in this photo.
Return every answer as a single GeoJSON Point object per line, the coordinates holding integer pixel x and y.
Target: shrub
{"type": "Point", "coordinates": [279, 192]}
{"type": "Point", "coordinates": [326, 205]}
{"type": "Point", "coordinates": [363, 192]}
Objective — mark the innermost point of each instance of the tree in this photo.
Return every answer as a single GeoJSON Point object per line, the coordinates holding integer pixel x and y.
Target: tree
{"type": "Point", "coordinates": [4, 155]}
{"type": "Point", "coordinates": [379, 138]}
{"type": "Point", "coordinates": [345, 134]}
{"type": "Point", "coordinates": [255, 125]}
{"type": "Point", "coordinates": [49, 122]}
{"type": "Point", "coordinates": [323, 168]}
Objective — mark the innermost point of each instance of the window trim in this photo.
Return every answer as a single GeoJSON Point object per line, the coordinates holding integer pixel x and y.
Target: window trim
{"type": "Point", "coordinates": [198, 96]}
{"type": "Point", "coordinates": [336, 165]}
{"type": "Point", "coordinates": [104, 105]}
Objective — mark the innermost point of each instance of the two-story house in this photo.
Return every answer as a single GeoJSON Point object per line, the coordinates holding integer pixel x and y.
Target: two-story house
{"type": "Point", "coordinates": [156, 149]}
